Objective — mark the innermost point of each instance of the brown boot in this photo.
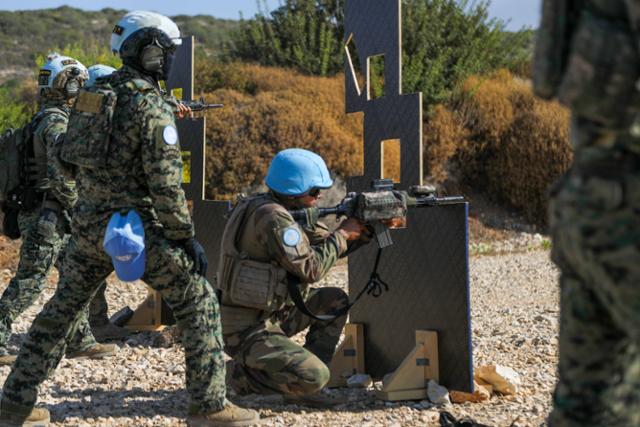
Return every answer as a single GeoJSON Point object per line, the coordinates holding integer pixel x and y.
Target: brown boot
{"type": "Point", "coordinates": [98, 351]}
{"type": "Point", "coordinates": [230, 416]}
{"type": "Point", "coordinates": [7, 360]}
{"type": "Point", "coordinates": [13, 415]}
{"type": "Point", "coordinates": [109, 331]}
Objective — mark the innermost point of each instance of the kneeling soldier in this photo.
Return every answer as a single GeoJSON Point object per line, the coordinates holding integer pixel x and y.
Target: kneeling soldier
{"type": "Point", "coordinates": [263, 252]}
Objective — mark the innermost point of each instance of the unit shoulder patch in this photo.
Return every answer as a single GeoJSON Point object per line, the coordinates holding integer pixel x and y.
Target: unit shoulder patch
{"type": "Point", "coordinates": [291, 236]}
{"type": "Point", "coordinates": [170, 135]}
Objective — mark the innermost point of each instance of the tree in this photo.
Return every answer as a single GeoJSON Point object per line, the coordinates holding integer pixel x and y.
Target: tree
{"type": "Point", "coordinates": [444, 41]}
{"type": "Point", "coordinates": [301, 34]}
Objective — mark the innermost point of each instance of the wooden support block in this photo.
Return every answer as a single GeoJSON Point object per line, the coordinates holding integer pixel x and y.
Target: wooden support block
{"type": "Point", "coordinates": [349, 358]}
{"type": "Point", "coordinates": [409, 381]}
{"type": "Point", "coordinates": [148, 315]}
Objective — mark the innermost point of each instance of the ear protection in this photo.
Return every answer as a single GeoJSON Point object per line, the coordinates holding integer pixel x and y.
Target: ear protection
{"type": "Point", "coordinates": [152, 58]}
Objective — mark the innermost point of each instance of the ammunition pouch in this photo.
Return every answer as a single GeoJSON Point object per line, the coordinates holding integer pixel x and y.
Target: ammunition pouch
{"type": "Point", "coordinates": [599, 82]}
{"type": "Point", "coordinates": [253, 284]}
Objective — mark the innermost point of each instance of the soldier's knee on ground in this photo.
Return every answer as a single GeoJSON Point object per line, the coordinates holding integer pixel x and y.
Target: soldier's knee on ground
{"type": "Point", "coordinates": [312, 375]}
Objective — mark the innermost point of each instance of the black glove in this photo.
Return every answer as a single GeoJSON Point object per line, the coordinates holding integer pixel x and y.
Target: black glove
{"type": "Point", "coordinates": [196, 252]}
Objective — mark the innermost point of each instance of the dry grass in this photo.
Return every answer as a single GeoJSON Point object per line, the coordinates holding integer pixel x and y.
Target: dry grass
{"type": "Point", "coordinates": [495, 136]}
{"type": "Point", "coordinates": [283, 110]}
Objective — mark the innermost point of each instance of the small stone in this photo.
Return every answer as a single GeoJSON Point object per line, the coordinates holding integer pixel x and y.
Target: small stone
{"type": "Point", "coordinates": [359, 381]}
{"type": "Point", "coordinates": [503, 379]}
{"type": "Point", "coordinates": [437, 393]}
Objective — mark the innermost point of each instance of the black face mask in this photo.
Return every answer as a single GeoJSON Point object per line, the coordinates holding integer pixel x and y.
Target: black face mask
{"type": "Point", "coordinates": [157, 58]}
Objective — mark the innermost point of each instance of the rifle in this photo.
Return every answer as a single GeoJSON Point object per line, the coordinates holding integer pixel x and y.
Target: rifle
{"type": "Point", "coordinates": [381, 209]}
{"type": "Point", "coordinates": [200, 105]}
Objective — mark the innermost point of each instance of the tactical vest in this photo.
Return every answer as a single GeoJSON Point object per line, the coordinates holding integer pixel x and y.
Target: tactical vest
{"type": "Point", "coordinates": [91, 122]}
{"type": "Point", "coordinates": [246, 282]}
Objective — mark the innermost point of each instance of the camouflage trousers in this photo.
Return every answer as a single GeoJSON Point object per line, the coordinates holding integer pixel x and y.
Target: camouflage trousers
{"type": "Point", "coordinates": [168, 270]}
{"type": "Point", "coordinates": [98, 308]}
{"type": "Point", "coordinates": [267, 361]}
{"type": "Point", "coordinates": [595, 219]}
{"type": "Point", "coordinates": [43, 246]}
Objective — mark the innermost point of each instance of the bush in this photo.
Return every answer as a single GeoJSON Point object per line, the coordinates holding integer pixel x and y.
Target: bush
{"type": "Point", "coordinates": [517, 145]}
{"type": "Point", "coordinates": [18, 102]}
{"type": "Point", "coordinates": [283, 109]}
{"type": "Point", "coordinates": [444, 42]}
{"type": "Point", "coordinates": [444, 136]}
{"type": "Point", "coordinates": [88, 55]}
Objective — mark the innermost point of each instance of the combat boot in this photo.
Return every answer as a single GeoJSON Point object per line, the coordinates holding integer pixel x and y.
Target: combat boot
{"type": "Point", "coordinates": [7, 360]}
{"type": "Point", "coordinates": [109, 331]}
{"type": "Point", "coordinates": [12, 415]}
{"type": "Point", "coordinates": [230, 416]}
{"type": "Point", "coordinates": [98, 351]}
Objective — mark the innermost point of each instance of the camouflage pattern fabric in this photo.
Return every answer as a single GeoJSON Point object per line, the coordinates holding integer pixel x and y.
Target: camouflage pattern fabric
{"type": "Point", "coordinates": [41, 245]}
{"type": "Point", "coordinates": [143, 173]}
{"type": "Point", "coordinates": [42, 240]}
{"type": "Point", "coordinates": [267, 361]}
{"type": "Point", "coordinates": [596, 244]}
{"type": "Point", "coordinates": [98, 308]}
{"type": "Point", "coordinates": [594, 210]}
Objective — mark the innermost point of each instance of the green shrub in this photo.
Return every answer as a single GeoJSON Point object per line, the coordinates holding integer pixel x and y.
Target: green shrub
{"type": "Point", "coordinates": [17, 103]}
{"type": "Point", "coordinates": [444, 41]}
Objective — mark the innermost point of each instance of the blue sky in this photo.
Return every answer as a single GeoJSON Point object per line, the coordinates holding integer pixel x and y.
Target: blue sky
{"type": "Point", "coordinates": [518, 12]}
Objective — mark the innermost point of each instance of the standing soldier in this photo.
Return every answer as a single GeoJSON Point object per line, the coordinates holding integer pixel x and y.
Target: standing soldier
{"type": "Point", "coordinates": [44, 217]}
{"type": "Point", "coordinates": [101, 327]}
{"type": "Point", "coordinates": [587, 57]}
{"type": "Point", "coordinates": [264, 252]}
{"type": "Point", "coordinates": [124, 144]}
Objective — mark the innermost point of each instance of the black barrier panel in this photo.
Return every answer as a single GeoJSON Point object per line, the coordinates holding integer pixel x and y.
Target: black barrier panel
{"type": "Point", "coordinates": [427, 270]}
{"type": "Point", "coordinates": [191, 133]}
{"type": "Point", "coordinates": [210, 218]}
{"type": "Point", "coordinates": [180, 79]}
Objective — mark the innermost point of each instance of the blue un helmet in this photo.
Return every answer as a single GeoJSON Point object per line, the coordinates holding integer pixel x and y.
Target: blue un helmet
{"type": "Point", "coordinates": [295, 172]}
{"type": "Point", "coordinates": [97, 71]}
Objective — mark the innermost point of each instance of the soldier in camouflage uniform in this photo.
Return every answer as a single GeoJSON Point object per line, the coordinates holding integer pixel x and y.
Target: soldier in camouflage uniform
{"type": "Point", "coordinates": [262, 249]}
{"type": "Point", "coordinates": [101, 327]}
{"type": "Point", "coordinates": [45, 226]}
{"type": "Point", "coordinates": [587, 57]}
{"type": "Point", "coordinates": [130, 160]}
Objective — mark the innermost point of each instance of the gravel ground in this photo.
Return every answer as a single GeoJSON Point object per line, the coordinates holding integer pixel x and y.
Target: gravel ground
{"type": "Point", "coordinates": [515, 309]}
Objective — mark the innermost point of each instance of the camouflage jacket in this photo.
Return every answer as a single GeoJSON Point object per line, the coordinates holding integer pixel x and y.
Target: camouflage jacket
{"type": "Point", "coordinates": [308, 258]}
{"type": "Point", "coordinates": [49, 177]}
{"type": "Point", "coordinates": [144, 164]}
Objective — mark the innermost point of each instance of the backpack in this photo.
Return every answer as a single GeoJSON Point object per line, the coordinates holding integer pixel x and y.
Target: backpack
{"type": "Point", "coordinates": [14, 148]}
{"type": "Point", "coordinates": [16, 187]}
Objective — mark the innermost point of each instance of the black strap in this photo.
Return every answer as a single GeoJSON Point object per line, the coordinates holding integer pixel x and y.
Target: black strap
{"type": "Point", "coordinates": [374, 287]}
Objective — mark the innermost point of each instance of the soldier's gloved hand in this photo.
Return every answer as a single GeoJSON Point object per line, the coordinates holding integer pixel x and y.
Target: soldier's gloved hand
{"type": "Point", "coordinates": [352, 229]}
{"type": "Point", "coordinates": [196, 252]}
